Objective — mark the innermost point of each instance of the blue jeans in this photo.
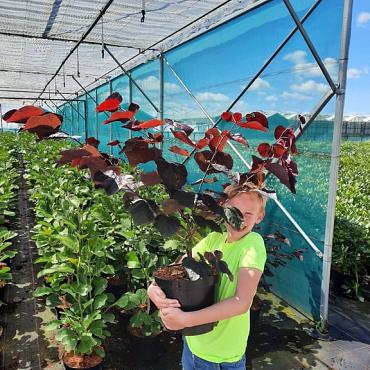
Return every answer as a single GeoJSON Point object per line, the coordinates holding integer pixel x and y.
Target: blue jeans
{"type": "Point", "coordinates": [192, 362]}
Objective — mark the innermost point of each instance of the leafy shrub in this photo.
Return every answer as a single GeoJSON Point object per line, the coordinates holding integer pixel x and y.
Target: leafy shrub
{"type": "Point", "coordinates": [351, 246]}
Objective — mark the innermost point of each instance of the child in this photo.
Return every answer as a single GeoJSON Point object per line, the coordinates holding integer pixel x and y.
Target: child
{"type": "Point", "coordinates": [245, 254]}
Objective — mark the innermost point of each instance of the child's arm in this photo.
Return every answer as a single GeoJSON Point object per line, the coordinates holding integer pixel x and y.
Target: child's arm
{"type": "Point", "coordinates": [248, 278]}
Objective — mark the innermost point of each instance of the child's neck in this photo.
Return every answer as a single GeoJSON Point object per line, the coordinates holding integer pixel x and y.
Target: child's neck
{"type": "Point", "coordinates": [233, 237]}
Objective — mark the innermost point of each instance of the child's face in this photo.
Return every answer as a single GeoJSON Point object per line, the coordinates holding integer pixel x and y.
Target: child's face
{"type": "Point", "coordinates": [250, 206]}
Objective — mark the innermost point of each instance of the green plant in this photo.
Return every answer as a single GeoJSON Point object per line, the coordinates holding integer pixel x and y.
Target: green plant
{"type": "Point", "coordinates": [142, 323]}
{"type": "Point", "coordinates": [351, 244]}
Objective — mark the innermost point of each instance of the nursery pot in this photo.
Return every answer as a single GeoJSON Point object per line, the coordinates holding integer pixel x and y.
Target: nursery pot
{"type": "Point", "coordinates": [88, 362]}
{"type": "Point", "coordinates": [116, 286]}
{"type": "Point", "coordinates": [192, 295]}
{"type": "Point", "coordinates": [144, 349]}
{"type": "Point", "coordinates": [338, 278]}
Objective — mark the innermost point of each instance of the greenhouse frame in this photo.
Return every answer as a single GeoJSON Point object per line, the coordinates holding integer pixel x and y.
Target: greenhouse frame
{"type": "Point", "coordinates": [70, 56]}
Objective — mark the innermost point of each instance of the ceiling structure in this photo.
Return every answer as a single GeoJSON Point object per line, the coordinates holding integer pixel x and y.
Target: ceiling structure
{"type": "Point", "coordinates": [38, 36]}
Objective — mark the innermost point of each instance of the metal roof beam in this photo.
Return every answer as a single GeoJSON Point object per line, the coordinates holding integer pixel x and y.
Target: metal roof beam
{"type": "Point", "coordinates": [22, 35]}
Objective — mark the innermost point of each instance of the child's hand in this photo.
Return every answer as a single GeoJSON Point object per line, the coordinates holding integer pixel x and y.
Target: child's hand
{"type": "Point", "coordinates": [174, 318]}
{"type": "Point", "coordinates": [157, 296]}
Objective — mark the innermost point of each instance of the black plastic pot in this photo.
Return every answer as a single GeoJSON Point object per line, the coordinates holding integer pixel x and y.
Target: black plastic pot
{"type": "Point", "coordinates": [145, 350]}
{"type": "Point", "coordinates": [192, 295]}
{"type": "Point", "coordinates": [116, 290]}
{"type": "Point", "coordinates": [97, 367]}
{"type": "Point", "coordinates": [338, 279]}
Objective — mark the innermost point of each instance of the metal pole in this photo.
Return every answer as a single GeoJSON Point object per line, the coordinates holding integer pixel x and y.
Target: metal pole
{"type": "Point", "coordinates": [289, 216]}
{"type": "Point", "coordinates": [334, 165]}
{"type": "Point", "coordinates": [110, 126]}
{"type": "Point", "coordinates": [129, 97]}
{"type": "Point", "coordinates": [96, 115]}
{"type": "Point", "coordinates": [316, 111]}
{"type": "Point", "coordinates": [131, 79]}
{"type": "Point", "coordinates": [72, 120]}
{"type": "Point", "coordinates": [1, 118]}
{"type": "Point", "coordinates": [83, 37]}
{"type": "Point", "coordinates": [161, 94]}
{"type": "Point", "coordinates": [85, 119]}
{"type": "Point", "coordinates": [310, 45]}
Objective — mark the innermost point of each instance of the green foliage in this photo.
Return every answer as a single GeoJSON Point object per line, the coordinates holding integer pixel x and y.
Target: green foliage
{"type": "Point", "coordinates": [84, 236]}
{"type": "Point", "coordinates": [351, 247]}
{"type": "Point", "coordinates": [8, 187]}
{"type": "Point", "coordinates": [142, 322]}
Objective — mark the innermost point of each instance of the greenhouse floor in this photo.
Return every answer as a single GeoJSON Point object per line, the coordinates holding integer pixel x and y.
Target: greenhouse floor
{"type": "Point", "coordinates": [279, 343]}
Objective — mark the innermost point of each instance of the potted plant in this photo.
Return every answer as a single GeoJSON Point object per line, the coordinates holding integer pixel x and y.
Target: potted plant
{"type": "Point", "coordinates": [144, 326]}
{"type": "Point", "coordinates": [184, 210]}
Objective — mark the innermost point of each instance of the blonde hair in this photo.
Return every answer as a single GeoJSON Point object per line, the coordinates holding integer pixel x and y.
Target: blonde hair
{"type": "Point", "coordinates": [233, 190]}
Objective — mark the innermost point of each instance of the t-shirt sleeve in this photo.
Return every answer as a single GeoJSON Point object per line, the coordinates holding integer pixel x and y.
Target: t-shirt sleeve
{"type": "Point", "coordinates": [255, 254]}
{"type": "Point", "coordinates": [202, 246]}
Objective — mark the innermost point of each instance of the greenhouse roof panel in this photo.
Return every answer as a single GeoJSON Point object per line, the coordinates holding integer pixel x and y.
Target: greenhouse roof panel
{"type": "Point", "coordinates": [36, 36]}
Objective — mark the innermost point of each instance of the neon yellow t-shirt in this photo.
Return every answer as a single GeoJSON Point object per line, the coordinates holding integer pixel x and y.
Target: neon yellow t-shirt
{"type": "Point", "coordinates": [228, 340]}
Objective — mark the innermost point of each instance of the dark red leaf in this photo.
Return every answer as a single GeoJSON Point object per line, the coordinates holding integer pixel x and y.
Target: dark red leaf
{"type": "Point", "coordinates": [239, 138]}
{"type": "Point", "coordinates": [180, 151]}
{"type": "Point", "coordinates": [167, 225]}
{"type": "Point", "coordinates": [71, 154]}
{"type": "Point", "coordinates": [202, 143]}
{"type": "Point", "coordinates": [115, 95]}
{"type": "Point", "coordinates": [282, 174]}
{"type": "Point", "coordinates": [150, 178]}
{"type": "Point", "coordinates": [94, 164]}
{"type": "Point", "coordinates": [302, 119]}
{"type": "Point", "coordinates": [258, 164]}
{"type": "Point", "coordinates": [123, 116]}
{"type": "Point", "coordinates": [92, 141]}
{"type": "Point", "coordinates": [114, 143]}
{"type": "Point", "coordinates": [132, 125]}
{"type": "Point", "coordinates": [23, 114]}
{"type": "Point", "coordinates": [278, 150]}
{"type": "Point", "coordinates": [137, 151]}
{"type": "Point", "coordinates": [150, 123]}
{"type": "Point", "coordinates": [156, 138]}
{"type": "Point", "coordinates": [48, 119]}
{"type": "Point", "coordinates": [170, 206]}
{"type": "Point", "coordinates": [219, 141]}
{"type": "Point", "coordinates": [173, 175]}
{"type": "Point", "coordinates": [237, 117]}
{"type": "Point", "coordinates": [109, 105]}
{"type": "Point", "coordinates": [203, 159]}
{"type": "Point", "coordinates": [142, 211]}
{"type": "Point", "coordinates": [8, 114]}
{"type": "Point", "coordinates": [183, 137]}
{"type": "Point", "coordinates": [133, 108]}
{"type": "Point", "coordinates": [42, 131]}
{"type": "Point", "coordinates": [258, 117]}
{"type": "Point", "coordinates": [226, 116]}
{"type": "Point", "coordinates": [264, 150]}
{"type": "Point", "coordinates": [179, 125]}
{"type": "Point", "coordinates": [253, 125]}
{"type": "Point", "coordinates": [184, 198]}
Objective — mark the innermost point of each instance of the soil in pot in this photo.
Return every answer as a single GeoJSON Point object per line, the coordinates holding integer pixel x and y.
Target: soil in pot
{"type": "Point", "coordinates": [192, 295]}
{"type": "Point", "coordinates": [144, 349]}
{"type": "Point", "coordinates": [91, 362]}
